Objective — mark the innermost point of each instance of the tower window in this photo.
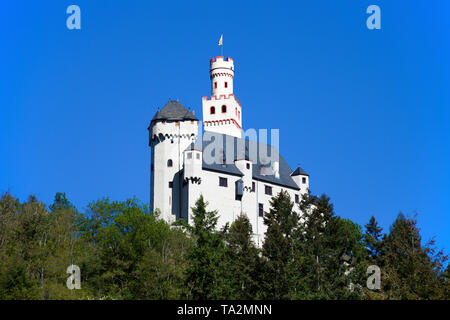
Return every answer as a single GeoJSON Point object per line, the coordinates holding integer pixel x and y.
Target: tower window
{"type": "Point", "coordinates": [212, 110]}
{"type": "Point", "coordinates": [248, 165]}
{"type": "Point", "coordinates": [170, 163]}
{"type": "Point", "coordinates": [297, 198]}
{"type": "Point", "coordinates": [224, 109]}
{"type": "Point", "coordinates": [215, 85]}
{"type": "Point", "coordinates": [268, 190]}
{"type": "Point", "coordinates": [198, 156]}
{"type": "Point", "coordinates": [223, 182]}
{"type": "Point", "coordinates": [260, 209]}
{"type": "Point", "coordinates": [189, 155]}
{"type": "Point", "coordinates": [303, 180]}
{"type": "Point", "coordinates": [253, 186]}
{"type": "Point", "coordinates": [226, 84]}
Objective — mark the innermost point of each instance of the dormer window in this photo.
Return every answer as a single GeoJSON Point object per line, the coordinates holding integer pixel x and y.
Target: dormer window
{"type": "Point", "coordinates": [212, 110]}
{"type": "Point", "coordinates": [224, 109]}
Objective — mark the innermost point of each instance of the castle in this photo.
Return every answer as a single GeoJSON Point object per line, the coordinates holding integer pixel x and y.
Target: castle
{"type": "Point", "coordinates": [233, 174]}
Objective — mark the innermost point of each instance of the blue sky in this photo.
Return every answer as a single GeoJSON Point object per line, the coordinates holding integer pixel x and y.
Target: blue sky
{"type": "Point", "coordinates": [365, 112]}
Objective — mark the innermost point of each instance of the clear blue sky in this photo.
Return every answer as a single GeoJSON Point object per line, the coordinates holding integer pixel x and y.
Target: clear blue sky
{"type": "Point", "coordinates": [366, 113]}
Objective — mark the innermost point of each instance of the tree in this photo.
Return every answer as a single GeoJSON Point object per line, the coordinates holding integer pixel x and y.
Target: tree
{"type": "Point", "coordinates": [332, 251]}
{"type": "Point", "coordinates": [278, 247]}
{"type": "Point", "coordinates": [203, 276]}
{"type": "Point", "coordinates": [242, 261]}
{"type": "Point", "coordinates": [411, 271]}
{"type": "Point", "coordinates": [373, 239]}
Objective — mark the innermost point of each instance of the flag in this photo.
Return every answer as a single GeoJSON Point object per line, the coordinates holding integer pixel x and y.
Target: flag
{"type": "Point", "coordinates": [221, 40]}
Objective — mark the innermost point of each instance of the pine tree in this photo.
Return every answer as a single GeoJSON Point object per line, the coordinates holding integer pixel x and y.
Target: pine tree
{"type": "Point", "coordinates": [332, 251]}
{"type": "Point", "coordinates": [242, 261]}
{"type": "Point", "coordinates": [411, 271]}
{"type": "Point", "coordinates": [204, 278]}
{"type": "Point", "coordinates": [278, 247]}
{"type": "Point", "coordinates": [373, 239]}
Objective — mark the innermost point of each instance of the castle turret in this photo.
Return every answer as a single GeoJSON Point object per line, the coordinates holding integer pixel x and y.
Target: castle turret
{"type": "Point", "coordinates": [301, 178]}
{"type": "Point", "coordinates": [171, 131]}
{"type": "Point", "coordinates": [222, 113]}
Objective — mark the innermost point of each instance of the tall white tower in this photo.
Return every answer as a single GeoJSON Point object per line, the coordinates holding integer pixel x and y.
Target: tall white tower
{"type": "Point", "coordinates": [222, 113]}
{"type": "Point", "coordinates": [171, 131]}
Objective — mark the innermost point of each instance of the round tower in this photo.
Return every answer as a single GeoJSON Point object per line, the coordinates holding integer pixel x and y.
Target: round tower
{"type": "Point", "coordinates": [171, 131]}
{"type": "Point", "coordinates": [221, 73]}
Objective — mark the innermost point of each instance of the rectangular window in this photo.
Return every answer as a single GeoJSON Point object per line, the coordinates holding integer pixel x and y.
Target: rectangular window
{"type": "Point", "coordinates": [226, 84]}
{"type": "Point", "coordinates": [223, 182]}
{"type": "Point", "coordinates": [253, 186]}
{"type": "Point", "coordinates": [303, 180]}
{"type": "Point", "coordinates": [268, 190]}
{"type": "Point", "coordinates": [261, 210]}
{"type": "Point", "coordinates": [189, 155]}
{"type": "Point", "coordinates": [198, 156]}
{"type": "Point", "coordinates": [297, 199]}
{"type": "Point", "coordinates": [215, 85]}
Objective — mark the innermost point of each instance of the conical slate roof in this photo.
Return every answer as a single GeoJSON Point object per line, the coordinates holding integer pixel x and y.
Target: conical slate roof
{"type": "Point", "coordinates": [174, 111]}
{"type": "Point", "coordinates": [299, 171]}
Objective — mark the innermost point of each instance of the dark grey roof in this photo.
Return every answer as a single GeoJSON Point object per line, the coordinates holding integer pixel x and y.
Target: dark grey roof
{"type": "Point", "coordinates": [174, 111]}
{"type": "Point", "coordinates": [193, 146]}
{"type": "Point", "coordinates": [261, 171]}
{"type": "Point", "coordinates": [299, 171]}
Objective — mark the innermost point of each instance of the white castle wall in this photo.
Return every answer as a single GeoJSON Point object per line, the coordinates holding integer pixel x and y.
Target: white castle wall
{"type": "Point", "coordinates": [168, 141]}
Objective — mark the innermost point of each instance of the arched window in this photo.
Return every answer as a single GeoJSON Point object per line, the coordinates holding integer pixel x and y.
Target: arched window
{"type": "Point", "coordinates": [213, 110]}
{"type": "Point", "coordinates": [169, 163]}
{"type": "Point", "coordinates": [224, 109]}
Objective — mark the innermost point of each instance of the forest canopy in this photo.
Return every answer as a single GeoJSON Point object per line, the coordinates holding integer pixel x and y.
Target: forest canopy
{"type": "Point", "coordinates": [125, 251]}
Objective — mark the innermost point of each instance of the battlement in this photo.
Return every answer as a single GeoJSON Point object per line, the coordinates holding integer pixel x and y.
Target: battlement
{"type": "Point", "coordinates": [222, 96]}
{"type": "Point", "coordinates": [221, 58]}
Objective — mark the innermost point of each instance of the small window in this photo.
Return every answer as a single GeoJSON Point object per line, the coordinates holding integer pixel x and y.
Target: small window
{"type": "Point", "coordinates": [297, 199]}
{"type": "Point", "coordinates": [239, 115]}
{"type": "Point", "coordinates": [170, 163]}
{"type": "Point", "coordinates": [268, 190]}
{"type": "Point", "coordinates": [177, 123]}
{"type": "Point", "coordinates": [170, 184]}
{"type": "Point", "coordinates": [261, 210]}
{"type": "Point", "coordinates": [223, 182]}
{"type": "Point", "coordinates": [303, 180]}
{"type": "Point", "coordinates": [213, 110]}
{"type": "Point", "coordinates": [198, 156]}
{"type": "Point", "coordinates": [226, 84]}
{"type": "Point", "coordinates": [189, 155]}
{"type": "Point", "coordinates": [248, 165]}
{"type": "Point", "coordinates": [224, 109]}
{"type": "Point", "coordinates": [253, 186]}
{"type": "Point", "coordinates": [215, 85]}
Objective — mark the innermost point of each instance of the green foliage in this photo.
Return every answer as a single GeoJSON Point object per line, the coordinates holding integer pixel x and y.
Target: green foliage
{"type": "Point", "coordinates": [125, 251]}
{"type": "Point", "coordinates": [206, 258]}
{"type": "Point", "coordinates": [242, 262]}
{"type": "Point", "coordinates": [278, 247]}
